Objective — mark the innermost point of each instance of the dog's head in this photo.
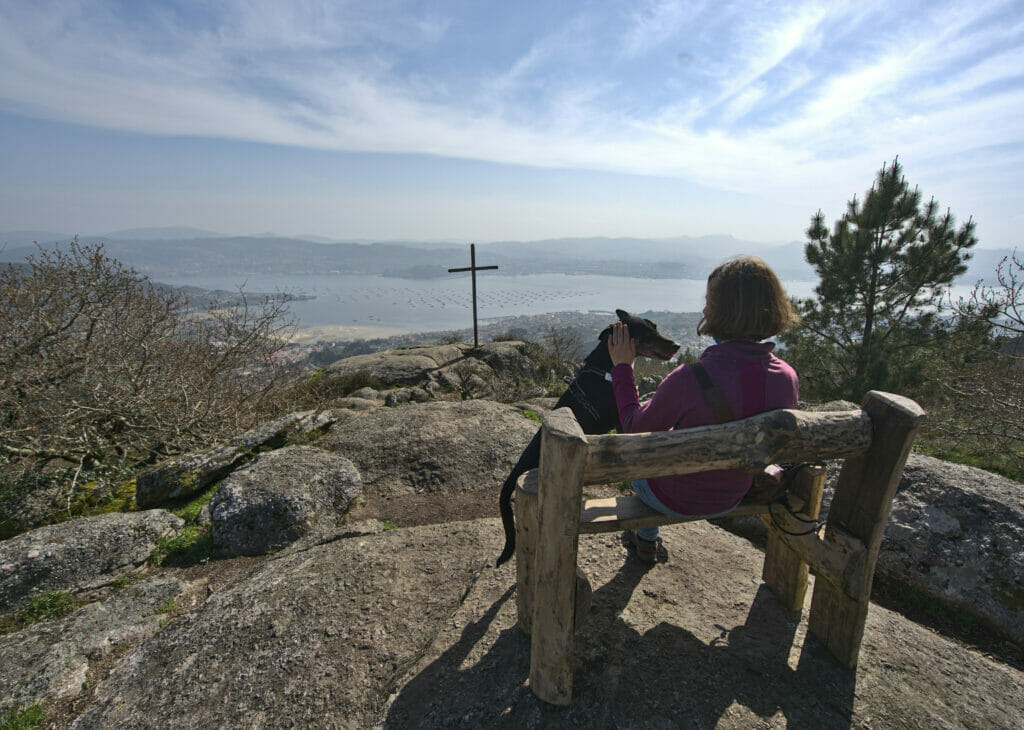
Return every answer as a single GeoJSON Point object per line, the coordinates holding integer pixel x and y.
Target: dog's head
{"type": "Point", "coordinates": [645, 333]}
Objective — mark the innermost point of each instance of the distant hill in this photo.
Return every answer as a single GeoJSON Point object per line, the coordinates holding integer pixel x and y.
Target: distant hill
{"type": "Point", "coordinates": [184, 252]}
{"type": "Point", "coordinates": [160, 234]}
{"type": "Point", "coordinates": [12, 239]}
{"type": "Point", "coordinates": [225, 255]}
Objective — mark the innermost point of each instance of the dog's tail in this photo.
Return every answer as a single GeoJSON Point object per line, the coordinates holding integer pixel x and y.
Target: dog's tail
{"type": "Point", "coordinates": [528, 460]}
{"type": "Point", "coordinates": [508, 520]}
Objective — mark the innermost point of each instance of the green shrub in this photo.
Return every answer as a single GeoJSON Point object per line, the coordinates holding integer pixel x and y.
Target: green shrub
{"type": "Point", "coordinates": [23, 718]}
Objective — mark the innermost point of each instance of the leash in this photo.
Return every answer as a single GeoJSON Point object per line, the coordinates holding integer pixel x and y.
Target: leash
{"type": "Point", "coordinates": [789, 472]}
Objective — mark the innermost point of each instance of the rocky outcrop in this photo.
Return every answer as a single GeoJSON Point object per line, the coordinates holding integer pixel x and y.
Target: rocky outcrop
{"type": "Point", "coordinates": [436, 366]}
{"type": "Point", "coordinates": [412, 628]}
{"type": "Point", "coordinates": [186, 475]}
{"type": "Point", "coordinates": [956, 535]}
{"type": "Point", "coordinates": [79, 555]}
{"type": "Point", "coordinates": [413, 375]}
{"type": "Point", "coordinates": [439, 447]}
{"type": "Point", "coordinates": [277, 433]}
{"type": "Point", "coordinates": [191, 473]}
{"type": "Point", "coordinates": [50, 661]}
{"type": "Point", "coordinates": [314, 637]}
{"type": "Point", "coordinates": [280, 497]}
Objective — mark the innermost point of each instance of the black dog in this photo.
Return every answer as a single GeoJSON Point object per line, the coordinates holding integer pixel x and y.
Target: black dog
{"type": "Point", "coordinates": [591, 399]}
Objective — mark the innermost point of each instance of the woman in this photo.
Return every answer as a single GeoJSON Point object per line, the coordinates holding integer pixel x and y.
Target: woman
{"type": "Point", "coordinates": [745, 304]}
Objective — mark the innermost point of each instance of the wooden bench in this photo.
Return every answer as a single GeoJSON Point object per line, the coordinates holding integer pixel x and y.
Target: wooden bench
{"type": "Point", "coordinates": [551, 514]}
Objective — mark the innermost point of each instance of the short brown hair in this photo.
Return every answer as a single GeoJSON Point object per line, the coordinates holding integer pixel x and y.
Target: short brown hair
{"type": "Point", "coordinates": [746, 301]}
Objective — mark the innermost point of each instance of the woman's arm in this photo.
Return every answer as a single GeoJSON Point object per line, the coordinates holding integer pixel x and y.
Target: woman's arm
{"type": "Point", "coordinates": [663, 411]}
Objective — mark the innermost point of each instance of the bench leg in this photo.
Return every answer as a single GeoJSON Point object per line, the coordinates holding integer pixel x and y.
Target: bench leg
{"type": "Point", "coordinates": [784, 572]}
{"type": "Point", "coordinates": [861, 507]}
{"type": "Point", "coordinates": [526, 546]}
{"type": "Point", "coordinates": [563, 458]}
{"type": "Point", "coordinates": [526, 553]}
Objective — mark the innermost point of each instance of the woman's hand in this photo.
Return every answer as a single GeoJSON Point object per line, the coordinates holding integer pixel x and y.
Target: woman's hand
{"type": "Point", "coordinates": [621, 346]}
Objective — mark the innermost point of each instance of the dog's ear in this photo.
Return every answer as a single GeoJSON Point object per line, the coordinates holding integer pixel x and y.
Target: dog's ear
{"type": "Point", "coordinates": [623, 315]}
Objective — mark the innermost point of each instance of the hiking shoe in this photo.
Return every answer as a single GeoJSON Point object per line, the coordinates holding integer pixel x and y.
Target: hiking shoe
{"type": "Point", "coordinates": [647, 551]}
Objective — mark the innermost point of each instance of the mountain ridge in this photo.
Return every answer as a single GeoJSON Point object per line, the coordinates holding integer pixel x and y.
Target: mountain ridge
{"type": "Point", "coordinates": [159, 252]}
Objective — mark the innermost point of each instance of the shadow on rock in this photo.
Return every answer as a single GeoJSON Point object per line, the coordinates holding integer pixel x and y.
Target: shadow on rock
{"type": "Point", "coordinates": [741, 678]}
{"type": "Point", "coordinates": [444, 694]}
{"type": "Point", "coordinates": [665, 677]}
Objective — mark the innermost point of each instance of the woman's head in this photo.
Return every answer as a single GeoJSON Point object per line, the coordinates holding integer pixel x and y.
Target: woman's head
{"type": "Point", "coordinates": [745, 301]}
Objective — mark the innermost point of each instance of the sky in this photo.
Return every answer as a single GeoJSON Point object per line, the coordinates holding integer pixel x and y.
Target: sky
{"type": "Point", "coordinates": [469, 120]}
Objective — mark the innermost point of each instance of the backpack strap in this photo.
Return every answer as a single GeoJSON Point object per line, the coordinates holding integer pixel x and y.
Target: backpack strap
{"type": "Point", "coordinates": [712, 395]}
{"type": "Point", "coordinates": [770, 485]}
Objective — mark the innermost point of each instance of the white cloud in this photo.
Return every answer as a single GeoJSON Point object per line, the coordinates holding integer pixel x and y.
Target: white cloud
{"type": "Point", "coordinates": [792, 100]}
{"type": "Point", "coordinates": [655, 23]}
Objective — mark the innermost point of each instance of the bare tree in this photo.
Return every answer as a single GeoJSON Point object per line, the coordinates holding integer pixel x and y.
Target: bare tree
{"type": "Point", "coordinates": [985, 387]}
{"type": "Point", "coordinates": [97, 363]}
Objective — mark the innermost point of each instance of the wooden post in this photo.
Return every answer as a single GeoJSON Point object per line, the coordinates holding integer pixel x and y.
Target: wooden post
{"type": "Point", "coordinates": [563, 458]}
{"type": "Point", "coordinates": [784, 572]}
{"type": "Point", "coordinates": [526, 545]}
{"type": "Point", "coordinates": [861, 507]}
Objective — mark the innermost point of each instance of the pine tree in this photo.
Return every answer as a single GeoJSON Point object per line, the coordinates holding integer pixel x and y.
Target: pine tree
{"type": "Point", "coordinates": [883, 270]}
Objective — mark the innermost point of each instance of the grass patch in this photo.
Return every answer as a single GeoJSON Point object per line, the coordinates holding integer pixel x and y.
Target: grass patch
{"type": "Point", "coordinates": [23, 718]}
{"type": "Point", "coordinates": [389, 525]}
{"type": "Point", "coordinates": [121, 583]}
{"type": "Point", "coordinates": [311, 437]}
{"type": "Point", "coordinates": [532, 415]}
{"type": "Point", "coordinates": [41, 607]}
{"type": "Point", "coordinates": [971, 452]}
{"type": "Point", "coordinates": [323, 386]}
{"type": "Point", "coordinates": [190, 510]}
{"type": "Point", "coordinates": [167, 609]}
{"type": "Point", "coordinates": [192, 546]}
{"type": "Point", "coordinates": [555, 389]}
{"type": "Point", "coordinates": [121, 498]}
{"type": "Point", "coordinates": [97, 491]}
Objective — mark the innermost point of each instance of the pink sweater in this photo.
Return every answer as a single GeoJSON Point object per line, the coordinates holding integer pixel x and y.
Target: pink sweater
{"type": "Point", "coordinates": [751, 379]}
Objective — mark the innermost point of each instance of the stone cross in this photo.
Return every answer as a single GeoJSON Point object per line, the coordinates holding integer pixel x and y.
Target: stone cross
{"type": "Point", "coordinates": [473, 268]}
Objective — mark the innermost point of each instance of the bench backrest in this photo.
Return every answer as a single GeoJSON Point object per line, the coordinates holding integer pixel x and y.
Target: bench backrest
{"type": "Point", "coordinates": [750, 444]}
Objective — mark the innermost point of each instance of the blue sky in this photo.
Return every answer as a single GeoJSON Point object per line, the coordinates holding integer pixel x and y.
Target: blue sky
{"type": "Point", "coordinates": [474, 120]}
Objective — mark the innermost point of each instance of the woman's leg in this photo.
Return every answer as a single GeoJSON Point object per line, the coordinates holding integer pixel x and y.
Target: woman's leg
{"type": "Point", "coordinates": [646, 495]}
{"type": "Point", "coordinates": [643, 491]}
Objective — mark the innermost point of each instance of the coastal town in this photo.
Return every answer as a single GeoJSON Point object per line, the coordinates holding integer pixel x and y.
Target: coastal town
{"type": "Point", "coordinates": [580, 327]}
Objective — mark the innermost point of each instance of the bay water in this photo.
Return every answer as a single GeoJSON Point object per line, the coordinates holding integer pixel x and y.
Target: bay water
{"type": "Point", "coordinates": [351, 307]}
